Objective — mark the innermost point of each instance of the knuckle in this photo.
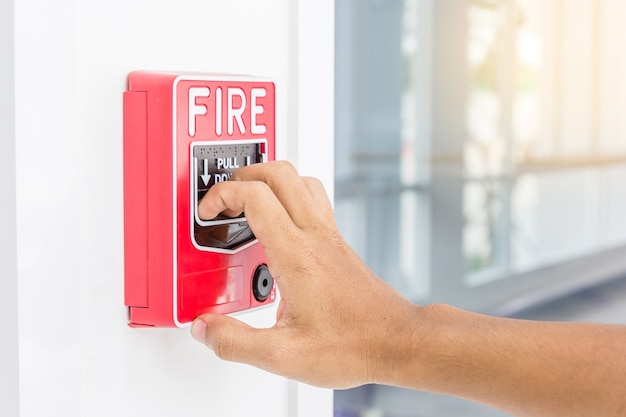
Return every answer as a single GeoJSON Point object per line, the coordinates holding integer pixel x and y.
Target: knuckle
{"type": "Point", "coordinates": [259, 189]}
{"type": "Point", "coordinates": [313, 181]}
{"type": "Point", "coordinates": [222, 189]}
{"type": "Point", "coordinates": [282, 169]}
{"type": "Point", "coordinates": [283, 164]}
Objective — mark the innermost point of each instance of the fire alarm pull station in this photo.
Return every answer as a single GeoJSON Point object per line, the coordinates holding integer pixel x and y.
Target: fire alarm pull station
{"type": "Point", "coordinates": [183, 133]}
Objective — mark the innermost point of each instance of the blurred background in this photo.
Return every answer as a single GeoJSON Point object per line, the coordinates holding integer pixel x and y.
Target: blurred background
{"type": "Point", "coordinates": [480, 160]}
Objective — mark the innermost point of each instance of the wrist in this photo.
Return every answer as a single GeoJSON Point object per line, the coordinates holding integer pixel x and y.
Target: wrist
{"type": "Point", "coordinates": [403, 353]}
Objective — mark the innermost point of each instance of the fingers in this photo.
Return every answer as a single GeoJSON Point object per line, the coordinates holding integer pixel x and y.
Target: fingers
{"type": "Point", "coordinates": [266, 215]}
{"type": "Point", "coordinates": [290, 189]}
{"type": "Point", "coordinates": [235, 341]}
{"type": "Point", "coordinates": [318, 192]}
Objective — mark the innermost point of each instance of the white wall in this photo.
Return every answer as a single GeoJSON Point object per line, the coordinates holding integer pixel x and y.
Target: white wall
{"type": "Point", "coordinates": [77, 356]}
{"type": "Point", "coordinates": [8, 261]}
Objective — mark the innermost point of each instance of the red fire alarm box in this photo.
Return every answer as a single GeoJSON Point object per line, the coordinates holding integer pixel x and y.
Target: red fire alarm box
{"type": "Point", "coordinates": [183, 133]}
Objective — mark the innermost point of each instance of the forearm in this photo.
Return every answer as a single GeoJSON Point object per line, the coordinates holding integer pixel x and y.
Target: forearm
{"type": "Point", "coordinates": [525, 368]}
{"type": "Point", "coordinates": [362, 330]}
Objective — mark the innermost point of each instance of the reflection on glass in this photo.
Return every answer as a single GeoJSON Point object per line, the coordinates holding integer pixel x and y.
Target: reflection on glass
{"type": "Point", "coordinates": [380, 204]}
{"type": "Point", "coordinates": [577, 79]}
{"type": "Point", "coordinates": [542, 136]}
{"type": "Point", "coordinates": [613, 221]}
{"type": "Point", "coordinates": [555, 217]}
{"type": "Point", "coordinates": [545, 83]}
{"type": "Point", "coordinates": [525, 107]}
{"type": "Point", "coordinates": [486, 148]}
{"type": "Point", "coordinates": [527, 100]}
{"type": "Point", "coordinates": [484, 235]}
{"type": "Point", "coordinates": [485, 145]}
{"type": "Point", "coordinates": [612, 38]}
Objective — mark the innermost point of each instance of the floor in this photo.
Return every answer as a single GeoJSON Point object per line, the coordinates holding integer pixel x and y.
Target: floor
{"type": "Point", "coordinates": [605, 304]}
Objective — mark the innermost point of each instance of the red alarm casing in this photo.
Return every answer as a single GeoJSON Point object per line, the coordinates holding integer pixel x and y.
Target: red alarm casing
{"type": "Point", "coordinates": [183, 133]}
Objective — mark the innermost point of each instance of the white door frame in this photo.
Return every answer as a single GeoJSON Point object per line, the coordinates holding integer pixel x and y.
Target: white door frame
{"type": "Point", "coordinates": [310, 128]}
{"type": "Point", "coordinates": [9, 374]}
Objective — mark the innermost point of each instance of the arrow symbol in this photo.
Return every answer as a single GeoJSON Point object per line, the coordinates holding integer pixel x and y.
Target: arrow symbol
{"type": "Point", "coordinates": [206, 176]}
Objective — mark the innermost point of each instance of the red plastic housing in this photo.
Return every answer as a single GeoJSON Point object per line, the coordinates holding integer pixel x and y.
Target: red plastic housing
{"type": "Point", "coordinates": [171, 122]}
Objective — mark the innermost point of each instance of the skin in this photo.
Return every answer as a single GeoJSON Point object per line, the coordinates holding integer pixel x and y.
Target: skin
{"type": "Point", "coordinates": [375, 335]}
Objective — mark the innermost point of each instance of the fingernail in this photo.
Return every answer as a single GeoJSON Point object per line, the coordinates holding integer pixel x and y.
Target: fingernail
{"type": "Point", "coordinates": [198, 331]}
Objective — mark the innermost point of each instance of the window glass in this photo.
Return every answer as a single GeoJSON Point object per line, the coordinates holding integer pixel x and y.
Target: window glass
{"type": "Point", "coordinates": [380, 182]}
{"type": "Point", "coordinates": [546, 81]}
{"type": "Point", "coordinates": [479, 144]}
{"type": "Point", "coordinates": [555, 217]}
{"type": "Point", "coordinates": [612, 95]}
{"type": "Point", "coordinates": [486, 151]}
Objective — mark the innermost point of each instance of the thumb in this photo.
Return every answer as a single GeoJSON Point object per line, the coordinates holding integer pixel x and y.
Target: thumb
{"type": "Point", "coordinates": [235, 341]}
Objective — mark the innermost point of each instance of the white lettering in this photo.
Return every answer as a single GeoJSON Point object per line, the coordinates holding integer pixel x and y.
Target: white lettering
{"type": "Point", "coordinates": [222, 177]}
{"type": "Point", "coordinates": [256, 110]}
{"type": "Point", "coordinates": [218, 111]}
{"type": "Point", "coordinates": [196, 109]}
{"type": "Point", "coordinates": [229, 110]}
{"type": "Point", "coordinates": [227, 163]}
{"type": "Point", "coordinates": [236, 114]}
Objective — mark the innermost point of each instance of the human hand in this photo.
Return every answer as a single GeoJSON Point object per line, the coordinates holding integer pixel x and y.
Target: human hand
{"type": "Point", "coordinates": [338, 325]}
